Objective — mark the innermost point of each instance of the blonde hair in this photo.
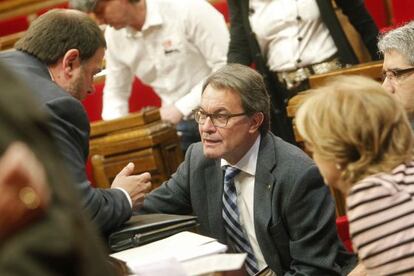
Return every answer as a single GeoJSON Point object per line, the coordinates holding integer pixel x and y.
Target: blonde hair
{"type": "Point", "coordinates": [353, 122]}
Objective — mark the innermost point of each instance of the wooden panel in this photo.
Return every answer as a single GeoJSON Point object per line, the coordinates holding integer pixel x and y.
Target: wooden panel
{"type": "Point", "coordinates": [370, 69]}
{"type": "Point", "coordinates": [135, 138]}
{"type": "Point", "coordinates": [10, 9]}
{"type": "Point", "coordinates": [129, 121]}
{"type": "Point", "coordinates": [340, 202]}
{"type": "Point", "coordinates": [153, 146]}
{"type": "Point", "coordinates": [147, 160]}
{"type": "Point", "coordinates": [8, 41]}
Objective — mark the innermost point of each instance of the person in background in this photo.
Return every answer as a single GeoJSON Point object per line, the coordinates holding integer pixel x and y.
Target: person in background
{"type": "Point", "coordinates": [58, 57]}
{"type": "Point", "coordinates": [169, 45]}
{"type": "Point", "coordinates": [290, 40]}
{"type": "Point", "coordinates": [250, 189]}
{"type": "Point", "coordinates": [42, 229]}
{"type": "Point", "coordinates": [362, 142]}
{"type": "Point", "coordinates": [397, 46]}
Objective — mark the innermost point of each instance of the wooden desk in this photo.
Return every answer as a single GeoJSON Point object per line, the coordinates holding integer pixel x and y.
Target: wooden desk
{"type": "Point", "coordinates": [10, 9]}
{"type": "Point", "coordinates": [370, 69]}
{"type": "Point", "coordinates": [142, 138]}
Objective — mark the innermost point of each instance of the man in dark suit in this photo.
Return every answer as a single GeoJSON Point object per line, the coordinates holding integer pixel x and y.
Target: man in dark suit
{"type": "Point", "coordinates": [290, 40]}
{"type": "Point", "coordinates": [277, 204]}
{"type": "Point", "coordinates": [58, 57]}
{"type": "Point", "coordinates": [42, 229]}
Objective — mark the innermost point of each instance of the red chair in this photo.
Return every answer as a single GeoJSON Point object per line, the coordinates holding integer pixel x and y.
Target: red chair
{"type": "Point", "coordinates": [403, 11]}
{"type": "Point", "coordinates": [379, 13]}
{"type": "Point", "coordinates": [342, 226]}
{"type": "Point", "coordinates": [141, 96]}
{"type": "Point", "coordinates": [221, 6]}
{"type": "Point", "coordinates": [13, 25]}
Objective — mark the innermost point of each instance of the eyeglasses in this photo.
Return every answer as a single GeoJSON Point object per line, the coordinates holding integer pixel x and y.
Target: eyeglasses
{"type": "Point", "coordinates": [218, 119]}
{"type": "Point", "coordinates": [396, 74]}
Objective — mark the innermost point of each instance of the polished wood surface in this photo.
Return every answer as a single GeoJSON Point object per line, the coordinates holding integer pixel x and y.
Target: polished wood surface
{"type": "Point", "coordinates": [371, 69]}
{"type": "Point", "coordinates": [132, 120]}
{"type": "Point", "coordinates": [10, 9]}
{"type": "Point", "coordinates": [30, 9]}
{"type": "Point", "coordinates": [8, 41]}
{"type": "Point", "coordinates": [142, 138]}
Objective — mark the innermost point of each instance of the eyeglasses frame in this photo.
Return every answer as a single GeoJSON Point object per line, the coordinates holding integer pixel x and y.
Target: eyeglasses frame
{"type": "Point", "coordinates": [396, 73]}
{"type": "Point", "coordinates": [211, 116]}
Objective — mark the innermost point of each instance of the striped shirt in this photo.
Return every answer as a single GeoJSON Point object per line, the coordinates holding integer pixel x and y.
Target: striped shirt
{"type": "Point", "coordinates": [381, 221]}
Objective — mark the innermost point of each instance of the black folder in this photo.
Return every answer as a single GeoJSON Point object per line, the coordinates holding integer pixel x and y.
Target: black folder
{"type": "Point", "coordinates": [142, 229]}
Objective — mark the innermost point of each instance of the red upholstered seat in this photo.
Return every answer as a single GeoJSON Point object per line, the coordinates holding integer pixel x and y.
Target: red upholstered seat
{"type": "Point", "coordinates": [221, 6]}
{"type": "Point", "coordinates": [13, 25]}
{"type": "Point", "coordinates": [141, 96]}
{"type": "Point", "coordinates": [403, 11]}
{"type": "Point", "coordinates": [378, 12]}
{"type": "Point", "coordinates": [342, 226]}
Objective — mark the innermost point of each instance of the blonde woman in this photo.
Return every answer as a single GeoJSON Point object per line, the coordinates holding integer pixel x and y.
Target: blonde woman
{"type": "Point", "coordinates": [362, 142]}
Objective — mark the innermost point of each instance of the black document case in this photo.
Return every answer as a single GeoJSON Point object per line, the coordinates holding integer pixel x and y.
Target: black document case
{"type": "Point", "coordinates": [142, 229]}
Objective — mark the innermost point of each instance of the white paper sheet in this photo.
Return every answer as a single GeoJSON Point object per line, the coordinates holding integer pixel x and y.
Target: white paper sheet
{"type": "Point", "coordinates": [213, 263]}
{"type": "Point", "coordinates": [182, 246]}
{"type": "Point", "coordinates": [170, 267]}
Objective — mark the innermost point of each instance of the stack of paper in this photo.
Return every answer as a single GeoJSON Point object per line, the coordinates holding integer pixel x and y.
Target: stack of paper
{"type": "Point", "coordinates": [181, 254]}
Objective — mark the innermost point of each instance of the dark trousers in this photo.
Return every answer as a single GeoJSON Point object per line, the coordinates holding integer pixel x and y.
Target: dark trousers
{"type": "Point", "coordinates": [281, 124]}
{"type": "Point", "coordinates": [188, 132]}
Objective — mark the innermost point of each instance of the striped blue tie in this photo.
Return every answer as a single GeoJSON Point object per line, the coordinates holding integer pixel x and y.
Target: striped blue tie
{"type": "Point", "coordinates": [232, 222]}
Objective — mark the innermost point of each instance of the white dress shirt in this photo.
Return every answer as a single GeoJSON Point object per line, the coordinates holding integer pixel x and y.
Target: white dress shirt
{"type": "Point", "coordinates": [290, 33]}
{"type": "Point", "coordinates": [180, 44]}
{"type": "Point", "coordinates": [244, 183]}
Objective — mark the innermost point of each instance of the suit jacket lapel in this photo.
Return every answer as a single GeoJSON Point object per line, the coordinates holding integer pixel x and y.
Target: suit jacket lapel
{"type": "Point", "coordinates": [264, 182]}
{"type": "Point", "coordinates": [263, 191]}
{"type": "Point", "coordinates": [213, 178]}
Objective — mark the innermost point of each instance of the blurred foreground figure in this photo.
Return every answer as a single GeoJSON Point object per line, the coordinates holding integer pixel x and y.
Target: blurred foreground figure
{"type": "Point", "coordinates": [42, 229]}
{"type": "Point", "coordinates": [58, 57]}
{"type": "Point", "coordinates": [363, 145]}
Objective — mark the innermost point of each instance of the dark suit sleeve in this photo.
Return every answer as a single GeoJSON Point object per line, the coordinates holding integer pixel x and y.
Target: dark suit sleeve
{"type": "Point", "coordinates": [108, 208]}
{"type": "Point", "coordinates": [362, 21]}
{"type": "Point", "coordinates": [239, 50]}
{"type": "Point", "coordinates": [309, 216]}
{"type": "Point", "coordinates": [173, 196]}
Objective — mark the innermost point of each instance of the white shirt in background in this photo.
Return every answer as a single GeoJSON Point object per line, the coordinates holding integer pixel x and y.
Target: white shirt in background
{"type": "Point", "coordinates": [285, 40]}
{"type": "Point", "coordinates": [180, 44]}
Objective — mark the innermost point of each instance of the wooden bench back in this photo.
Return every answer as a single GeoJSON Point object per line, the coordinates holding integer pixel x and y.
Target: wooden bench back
{"type": "Point", "coordinates": [371, 69]}
{"type": "Point", "coordinates": [142, 138]}
{"type": "Point", "coordinates": [18, 9]}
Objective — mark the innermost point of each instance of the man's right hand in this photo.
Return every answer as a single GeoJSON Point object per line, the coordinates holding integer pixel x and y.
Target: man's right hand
{"type": "Point", "coordinates": [137, 186]}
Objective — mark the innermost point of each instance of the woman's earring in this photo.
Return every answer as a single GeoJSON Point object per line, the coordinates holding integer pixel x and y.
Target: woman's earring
{"type": "Point", "coordinates": [338, 167]}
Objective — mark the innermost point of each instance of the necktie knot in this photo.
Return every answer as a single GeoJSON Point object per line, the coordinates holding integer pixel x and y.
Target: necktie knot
{"type": "Point", "coordinates": [230, 173]}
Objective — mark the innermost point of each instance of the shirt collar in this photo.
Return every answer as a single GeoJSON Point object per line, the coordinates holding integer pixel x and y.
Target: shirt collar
{"type": "Point", "coordinates": [152, 18]}
{"type": "Point", "coordinates": [249, 161]}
